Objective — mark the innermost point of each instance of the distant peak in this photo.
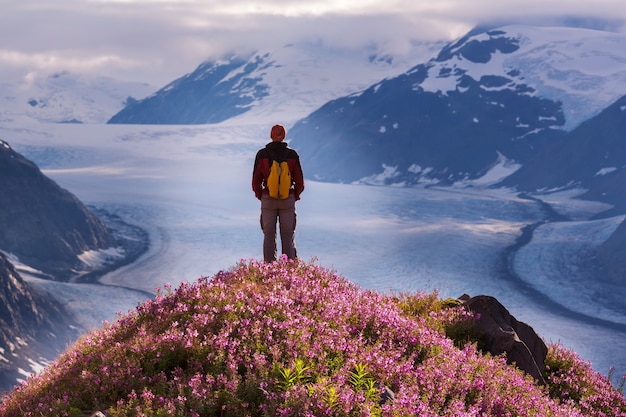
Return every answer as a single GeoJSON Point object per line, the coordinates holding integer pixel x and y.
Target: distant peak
{"type": "Point", "coordinates": [479, 47]}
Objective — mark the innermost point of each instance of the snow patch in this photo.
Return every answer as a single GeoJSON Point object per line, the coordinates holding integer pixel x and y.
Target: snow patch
{"type": "Point", "coordinates": [23, 268]}
{"type": "Point", "coordinates": [35, 368]}
{"type": "Point", "coordinates": [414, 169]}
{"type": "Point", "coordinates": [388, 173]}
{"type": "Point", "coordinates": [436, 83]}
{"type": "Point", "coordinates": [605, 171]}
{"type": "Point", "coordinates": [94, 259]}
{"type": "Point", "coordinates": [502, 169]}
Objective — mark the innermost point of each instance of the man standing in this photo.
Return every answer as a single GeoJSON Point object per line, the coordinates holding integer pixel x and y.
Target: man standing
{"type": "Point", "coordinates": [283, 209]}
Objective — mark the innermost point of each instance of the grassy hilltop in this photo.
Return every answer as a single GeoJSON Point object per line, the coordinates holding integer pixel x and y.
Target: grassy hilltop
{"type": "Point", "coordinates": [294, 339]}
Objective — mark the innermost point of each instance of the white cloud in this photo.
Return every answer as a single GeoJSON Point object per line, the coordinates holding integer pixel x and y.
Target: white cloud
{"type": "Point", "coordinates": [156, 41]}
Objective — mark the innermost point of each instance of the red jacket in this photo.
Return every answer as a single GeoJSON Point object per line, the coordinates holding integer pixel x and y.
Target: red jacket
{"type": "Point", "coordinates": [262, 169]}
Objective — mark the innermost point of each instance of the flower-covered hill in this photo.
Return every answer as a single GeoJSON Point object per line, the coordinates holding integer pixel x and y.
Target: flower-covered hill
{"type": "Point", "coordinates": [294, 339]}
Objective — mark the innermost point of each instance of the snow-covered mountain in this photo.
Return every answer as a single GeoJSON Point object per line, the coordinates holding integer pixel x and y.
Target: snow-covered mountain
{"type": "Point", "coordinates": [590, 157]}
{"type": "Point", "coordinates": [288, 83]}
{"type": "Point", "coordinates": [67, 98]}
{"type": "Point", "coordinates": [487, 103]}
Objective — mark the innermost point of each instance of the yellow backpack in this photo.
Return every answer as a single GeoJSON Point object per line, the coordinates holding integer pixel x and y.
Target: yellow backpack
{"type": "Point", "coordinates": [279, 178]}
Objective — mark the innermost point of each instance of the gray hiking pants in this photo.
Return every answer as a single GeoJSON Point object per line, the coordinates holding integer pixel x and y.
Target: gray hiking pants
{"type": "Point", "coordinates": [283, 211]}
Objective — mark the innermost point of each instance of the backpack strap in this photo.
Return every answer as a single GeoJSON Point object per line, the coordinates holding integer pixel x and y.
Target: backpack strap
{"type": "Point", "coordinates": [283, 156]}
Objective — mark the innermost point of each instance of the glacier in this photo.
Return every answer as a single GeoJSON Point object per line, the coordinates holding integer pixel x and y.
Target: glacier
{"type": "Point", "coordinates": [189, 188]}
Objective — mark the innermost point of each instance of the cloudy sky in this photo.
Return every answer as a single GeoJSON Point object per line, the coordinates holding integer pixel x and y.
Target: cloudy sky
{"type": "Point", "coordinates": [156, 41]}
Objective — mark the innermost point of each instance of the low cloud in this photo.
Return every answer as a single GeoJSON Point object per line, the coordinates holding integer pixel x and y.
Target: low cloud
{"type": "Point", "coordinates": [156, 41]}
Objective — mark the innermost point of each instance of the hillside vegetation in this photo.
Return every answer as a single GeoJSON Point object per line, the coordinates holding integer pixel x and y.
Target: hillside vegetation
{"type": "Point", "coordinates": [295, 339]}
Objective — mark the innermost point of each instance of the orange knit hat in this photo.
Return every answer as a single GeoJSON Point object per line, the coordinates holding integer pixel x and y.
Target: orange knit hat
{"type": "Point", "coordinates": [278, 133]}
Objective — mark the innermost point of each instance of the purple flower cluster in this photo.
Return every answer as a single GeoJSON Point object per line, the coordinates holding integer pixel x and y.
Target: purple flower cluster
{"type": "Point", "coordinates": [294, 339]}
{"type": "Point", "coordinates": [571, 380]}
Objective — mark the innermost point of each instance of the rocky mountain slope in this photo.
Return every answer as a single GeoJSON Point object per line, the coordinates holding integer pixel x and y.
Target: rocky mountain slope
{"type": "Point", "coordinates": [287, 83]}
{"type": "Point", "coordinates": [44, 228]}
{"type": "Point", "coordinates": [493, 98]}
{"type": "Point", "coordinates": [592, 157]}
{"type": "Point", "coordinates": [33, 329]}
{"type": "Point", "coordinates": [42, 224]}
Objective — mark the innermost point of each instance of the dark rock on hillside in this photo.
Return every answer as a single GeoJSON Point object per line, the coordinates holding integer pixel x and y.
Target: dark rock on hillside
{"type": "Point", "coordinates": [42, 224]}
{"type": "Point", "coordinates": [592, 157]}
{"type": "Point", "coordinates": [207, 95]}
{"type": "Point", "coordinates": [503, 334]}
{"type": "Point", "coordinates": [32, 329]}
{"type": "Point", "coordinates": [437, 122]}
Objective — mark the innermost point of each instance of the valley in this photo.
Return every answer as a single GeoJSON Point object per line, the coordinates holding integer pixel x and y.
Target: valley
{"type": "Point", "coordinates": [170, 182]}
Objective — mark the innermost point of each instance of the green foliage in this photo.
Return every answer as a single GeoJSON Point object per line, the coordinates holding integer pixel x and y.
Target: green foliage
{"type": "Point", "coordinates": [464, 332]}
{"type": "Point", "coordinates": [291, 376]}
{"type": "Point", "coordinates": [419, 304]}
{"type": "Point", "coordinates": [446, 315]}
{"type": "Point", "coordinates": [332, 397]}
{"type": "Point", "coordinates": [359, 376]}
{"type": "Point", "coordinates": [362, 380]}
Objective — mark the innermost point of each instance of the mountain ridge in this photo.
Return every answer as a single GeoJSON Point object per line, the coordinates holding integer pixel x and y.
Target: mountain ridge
{"type": "Point", "coordinates": [482, 96]}
{"type": "Point", "coordinates": [590, 157]}
{"type": "Point", "coordinates": [43, 224]}
{"type": "Point", "coordinates": [33, 329]}
{"type": "Point", "coordinates": [47, 233]}
{"type": "Point", "coordinates": [287, 82]}
{"type": "Point", "coordinates": [64, 97]}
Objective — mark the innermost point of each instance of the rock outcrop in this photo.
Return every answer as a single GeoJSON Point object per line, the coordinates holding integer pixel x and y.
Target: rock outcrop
{"type": "Point", "coordinates": [33, 329]}
{"type": "Point", "coordinates": [44, 225]}
{"type": "Point", "coordinates": [503, 334]}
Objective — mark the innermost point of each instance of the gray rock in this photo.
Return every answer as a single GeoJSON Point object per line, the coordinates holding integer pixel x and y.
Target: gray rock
{"type": "Point", "coordinates": [503, 334]}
